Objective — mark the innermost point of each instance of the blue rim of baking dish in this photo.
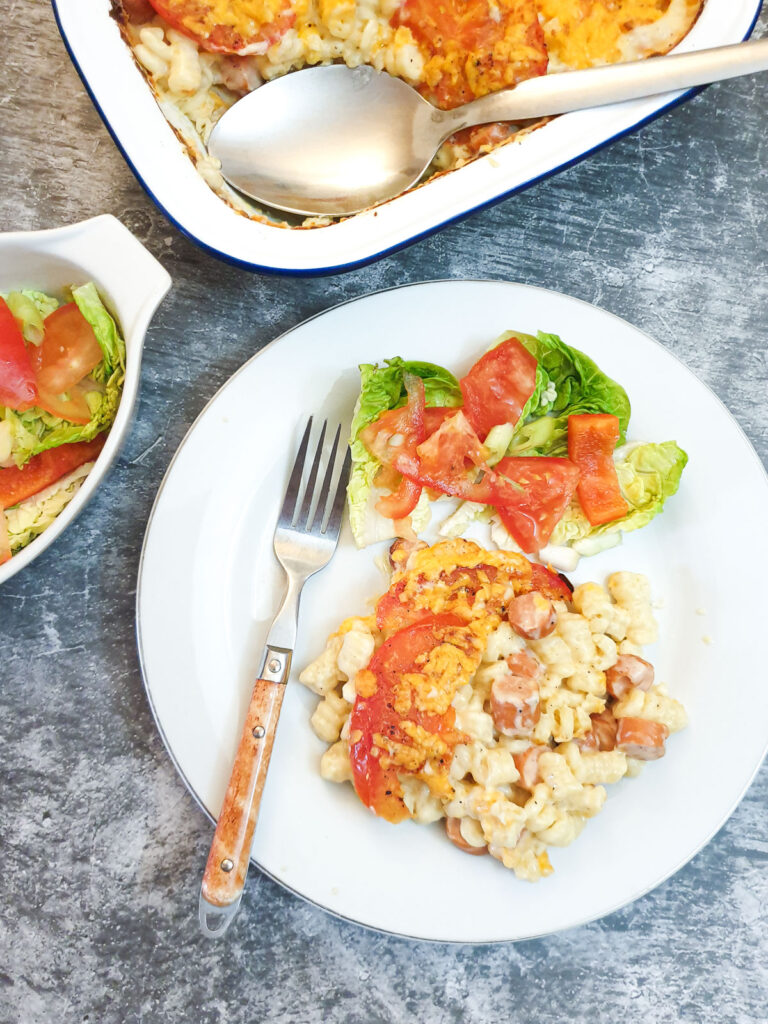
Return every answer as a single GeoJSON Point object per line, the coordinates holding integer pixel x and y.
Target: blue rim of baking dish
{"type": "Point", "coordinates": [342, 268]}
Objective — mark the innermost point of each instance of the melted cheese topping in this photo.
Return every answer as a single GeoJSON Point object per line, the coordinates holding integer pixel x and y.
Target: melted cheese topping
{"type": "Point", "coordinates": [583, 33]}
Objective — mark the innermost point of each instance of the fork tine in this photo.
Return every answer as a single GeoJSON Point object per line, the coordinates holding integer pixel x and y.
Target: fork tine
{"type": "Point", "coordinates": [322, 501]}
{"type": "Point", "coordinates": [334, 520]}
{"type": "Point", "coordinates": [304, 521]}
{"type": "Point", "coordinates": [292, 491]}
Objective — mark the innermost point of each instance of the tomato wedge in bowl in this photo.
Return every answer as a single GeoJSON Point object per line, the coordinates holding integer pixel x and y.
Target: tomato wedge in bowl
{"type": "Point", "coordinates": [56, 446]}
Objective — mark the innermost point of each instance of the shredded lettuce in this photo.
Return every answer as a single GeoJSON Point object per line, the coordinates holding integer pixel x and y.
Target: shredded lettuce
{"type": "Point", "coordinates": [648, 475]}
{"type": "Point", "coordinates": [383, 388]}
{"type": "Point", "coordinates": [28, 316]}
{"type": "Point", "coordinates": [35, 514]}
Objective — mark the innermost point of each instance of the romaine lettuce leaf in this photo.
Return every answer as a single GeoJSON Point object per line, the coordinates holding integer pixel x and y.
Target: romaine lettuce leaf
{"type": "Point", "coordinates": [28, 316]}
{"type": "Point", "coordinates": [382, 388]}
{"type": "Point", "coordinates": [648, 475]}
{"type": "Point", "coordinates": [33, 515]}
{"type": "Point", "coordinates": [567, 383]}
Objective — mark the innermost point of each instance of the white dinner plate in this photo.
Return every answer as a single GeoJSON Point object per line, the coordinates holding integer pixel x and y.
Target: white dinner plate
{"type": "Point", "coordinates": [209, 585]}
{"type": "Point", "coordinates": [160, 161]}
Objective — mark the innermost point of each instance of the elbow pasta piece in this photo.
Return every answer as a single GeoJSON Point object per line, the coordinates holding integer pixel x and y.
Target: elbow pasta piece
{"type": "Point", "coordinates": [633, 592]}
{"type": "Point", "coordinates": [329, 716]}
{"type": "Point", "coordinates": [503, 642]}
{"type": "Point", "coordinates": [335, 765]}
{"type": "Point", "coordinates": [424, 807]}
{"type": "Point", "coordinates": [492, 767]}
{"type": "Point", "coordinates": [594, 767]}
{"type": "Point", "coordinates": [575, 631]}
{"type": "Point", "coordinates": [587, 679]}
{"type": "Point", "coordinates": [653, 706]}
{"type": "Point", "coordinates": [594, 603]}
{"type": "Point", "coordinates": [553, 652]}
{"type": "Point", "coordinates": [356, 649]}
{"type": "Point", "coordinates": [528, 859]}
{"type": "Point", "coordinates": [322, 675]}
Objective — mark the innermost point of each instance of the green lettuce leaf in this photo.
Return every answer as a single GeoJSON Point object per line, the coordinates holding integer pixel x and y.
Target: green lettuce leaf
{"type": "Point", "coordinates": [28, 316]}
{"type": "Point", "coordinates": [383, 388]}
{"type": "Point", "coordinates": [648, 475]}
{"type": "Point", "coordinates": [567, 383]}
{"type": "Point", "coordinates": [33, 515]}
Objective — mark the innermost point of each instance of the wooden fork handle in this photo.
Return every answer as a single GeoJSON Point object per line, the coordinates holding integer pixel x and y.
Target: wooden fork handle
{"type": "Point", "coordinates": [230, 853]}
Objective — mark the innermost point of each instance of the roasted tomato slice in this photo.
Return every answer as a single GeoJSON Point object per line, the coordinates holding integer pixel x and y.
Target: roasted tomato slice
{"type": "Point", "coordinates": [473, 47]}
{"type": "Point", "coordinates": [247, 26]}
{"type": "Point", "coordinates": [17, 375]}
{"type": "Point", "coordinates": [592, 438]}
{"type": "Point", "coordinates": [547, 486]}
{"type": "Point", "coordinates": [550, 583]}
{"type": "Point", "coordinates": [497, 387]}
{"type": "Point", "coordinates": [397, 727]}
{"type": "Point", "coordinates": [45, 469]}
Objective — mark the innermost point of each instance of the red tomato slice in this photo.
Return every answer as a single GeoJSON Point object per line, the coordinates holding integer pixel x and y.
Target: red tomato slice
{"type": "Point", "coordinates": [547, 488]}
{"type": "Point", "coordinates": [45, 469]}
{"type": "Point", "coordinates": [378, 786]}
{"type": "Point", "coordinates": [394, 436]}
{"type": "Point", "coordinates": [435, 416]}
{"type": "Point", "coordinates": [497, 387]}
{"type": "Point", "coordinates": [17, 375]}
{"type": "Point", "coordinates": [473, 47]}
{"type": "Point", "coordinates": [69, 350]}
{"type": "Point", "coordinates": [449, 461]}
{"type": "Point", "coordinates": [73, 408]}
{"type": "Point", "coordinates": [592, 438]}
{"type": "Point", "coordinates": [251, 25]}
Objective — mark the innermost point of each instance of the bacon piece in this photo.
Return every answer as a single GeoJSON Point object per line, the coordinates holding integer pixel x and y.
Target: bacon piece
{"type": "Point", "coordinates": [532, 616]}
{"type": "Point", "coordinates": [628, 671]}
{"type": "Point", "coordinates": [639, 738]}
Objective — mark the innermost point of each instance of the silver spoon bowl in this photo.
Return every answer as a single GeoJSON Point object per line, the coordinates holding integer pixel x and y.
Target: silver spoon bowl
{"type": "Point", "coordinates": [332, 141]}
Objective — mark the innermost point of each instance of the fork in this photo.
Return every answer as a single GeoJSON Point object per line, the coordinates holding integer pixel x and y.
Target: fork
{"type": "Point", "coordinates": [305, 538]}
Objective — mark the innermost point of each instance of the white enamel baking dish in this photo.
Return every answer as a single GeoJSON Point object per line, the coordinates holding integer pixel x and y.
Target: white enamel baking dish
{"type": "Point", "coordinates": [161, 164]}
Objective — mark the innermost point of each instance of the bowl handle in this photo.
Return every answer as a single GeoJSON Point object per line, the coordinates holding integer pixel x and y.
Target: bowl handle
{"type": "Point", "coordinates": [128, 275]}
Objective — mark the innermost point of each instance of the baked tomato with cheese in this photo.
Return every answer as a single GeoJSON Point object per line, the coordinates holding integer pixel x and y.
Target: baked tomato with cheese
{"type": "Point", "coordinates": [473, 47]}
{"type": "Point", "coordinates": [229, 26]}
{"type": "Point", "coordinates": [402, 722]}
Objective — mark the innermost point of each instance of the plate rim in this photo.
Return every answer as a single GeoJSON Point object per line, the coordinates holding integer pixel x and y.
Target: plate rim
{"type": "Point", "coordinates": [666, 875]}
{"type": "Point", "coordinates": [387, 250]}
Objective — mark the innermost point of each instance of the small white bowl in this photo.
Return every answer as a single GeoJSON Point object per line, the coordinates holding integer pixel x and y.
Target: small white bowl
{"type": "Point", "coordinates": [132, 284]}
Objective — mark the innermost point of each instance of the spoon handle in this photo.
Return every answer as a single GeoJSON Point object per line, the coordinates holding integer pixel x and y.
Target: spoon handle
{"type": "Point", "coordinates": [575, 90]}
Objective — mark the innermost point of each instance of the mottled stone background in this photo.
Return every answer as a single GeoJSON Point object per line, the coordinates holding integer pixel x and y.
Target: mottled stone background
{"type": "Point", "coordinates": [102, 847]}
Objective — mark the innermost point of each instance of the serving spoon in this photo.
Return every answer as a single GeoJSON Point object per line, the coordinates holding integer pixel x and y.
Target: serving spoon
{"type": "Point", "coordinates": [333, 140]}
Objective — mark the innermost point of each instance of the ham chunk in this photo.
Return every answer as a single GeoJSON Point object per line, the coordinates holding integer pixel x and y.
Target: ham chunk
{"type": "Point", "coordinates": [532, 616]}
{"type": "Point", "coordinates": [602, 735]}
{"type": "Point", "coordinates": [642, 739]}
{"type": "Point", "coordinates": [628, 671]}
{"type": "Point", "coordinates": [515, 704]}
{"type": "Point", "coordinates": [527, 763]}
{"type": "Point", "coordinates": [453, 831]}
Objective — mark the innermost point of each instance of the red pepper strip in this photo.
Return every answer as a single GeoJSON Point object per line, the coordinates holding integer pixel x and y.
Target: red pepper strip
{"type": "Point", "coordinates": [45, 469]}
{"type": "Point", "coordinates": [592, 438]}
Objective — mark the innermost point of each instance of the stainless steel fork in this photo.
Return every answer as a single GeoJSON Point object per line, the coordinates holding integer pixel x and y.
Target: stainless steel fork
{"type": "Point", "coordinates": [305, 539]}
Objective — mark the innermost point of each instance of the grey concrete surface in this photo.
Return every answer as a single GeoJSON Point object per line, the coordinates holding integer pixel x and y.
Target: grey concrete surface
{"type": "Point", "coordinates": [101, 845]}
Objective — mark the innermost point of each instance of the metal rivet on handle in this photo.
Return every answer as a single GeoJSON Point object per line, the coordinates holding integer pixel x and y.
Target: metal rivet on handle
{"type": "Point", "coordinates": [274, 665]}
{"type": "Point", "coordinates": [227, 865]}
{"type": "Point", "coordinates": [258, 732]}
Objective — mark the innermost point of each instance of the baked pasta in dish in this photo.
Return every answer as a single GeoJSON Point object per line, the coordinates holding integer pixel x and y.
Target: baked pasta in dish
{"type": "Point", "coordinates": [202, 55]}
{"type": "Point", "coordinates": [485, 693]}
